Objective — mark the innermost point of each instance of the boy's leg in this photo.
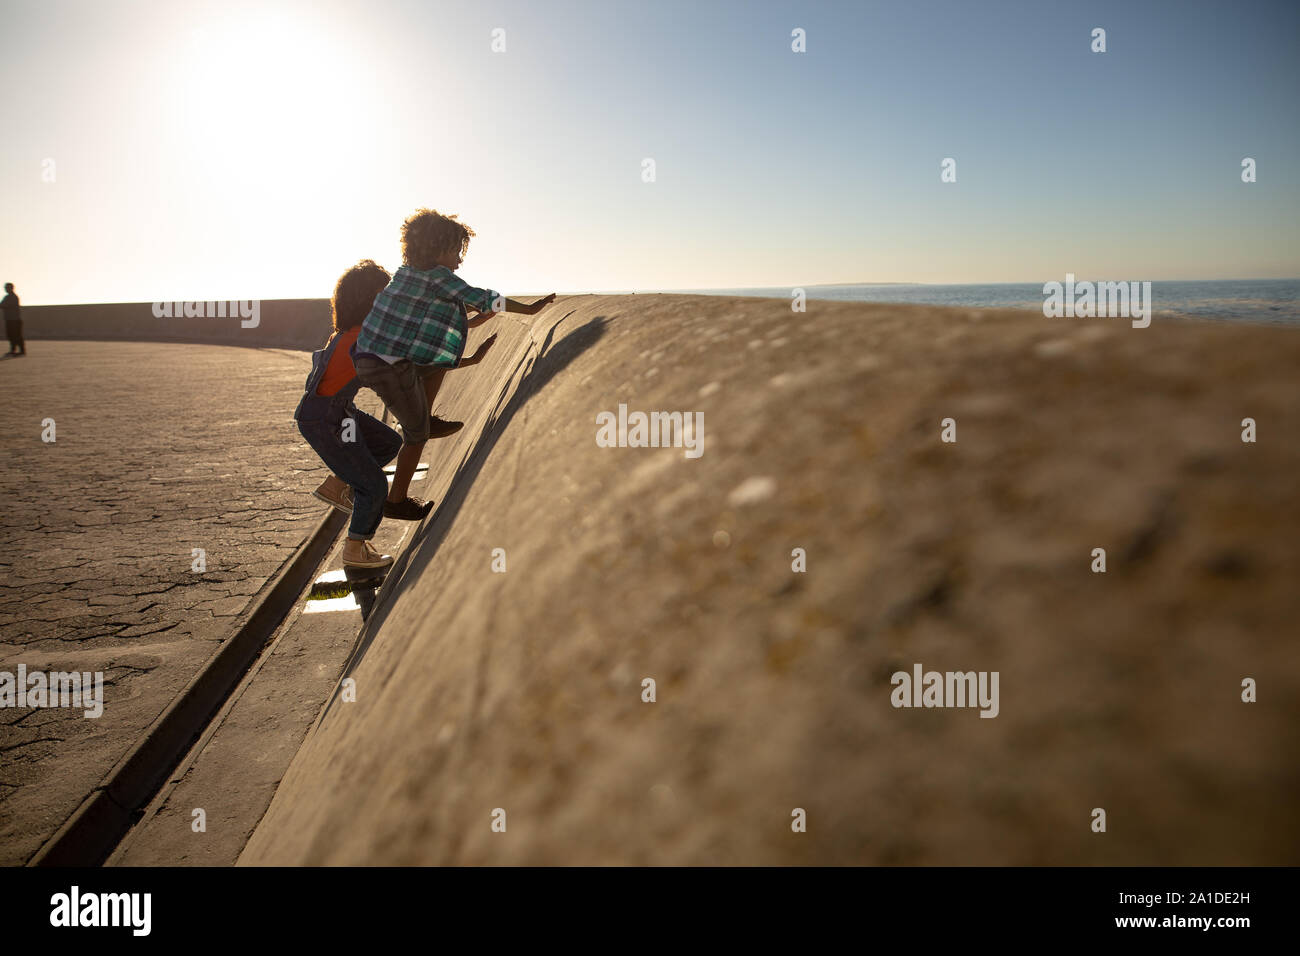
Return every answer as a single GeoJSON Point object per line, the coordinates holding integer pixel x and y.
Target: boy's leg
{"type": "Point", "coordinates": [432, 377]}
{"type": "Point", "coordinates": [407, 459]}
{"type": "Point", "coordinates": [433, 382]}
{"type": "Point", "coordinates": [402, 391]}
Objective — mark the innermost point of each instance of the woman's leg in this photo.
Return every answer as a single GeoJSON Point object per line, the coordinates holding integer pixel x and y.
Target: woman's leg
{"type": "Point", "coordinates": [353, 462]}
{"type": "Point", "coordinates": [384, 442]}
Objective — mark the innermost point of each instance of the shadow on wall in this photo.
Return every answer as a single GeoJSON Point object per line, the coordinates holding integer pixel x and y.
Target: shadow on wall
{"type": "Point", "coordinates": [549, 361]}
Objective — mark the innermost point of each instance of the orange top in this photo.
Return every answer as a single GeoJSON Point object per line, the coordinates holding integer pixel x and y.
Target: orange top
{"type": "Point", "coordinates": [340, 371]}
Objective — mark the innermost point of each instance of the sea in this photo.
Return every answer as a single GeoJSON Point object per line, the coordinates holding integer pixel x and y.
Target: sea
{"type": "Point", "coordinates": [1274, 301]}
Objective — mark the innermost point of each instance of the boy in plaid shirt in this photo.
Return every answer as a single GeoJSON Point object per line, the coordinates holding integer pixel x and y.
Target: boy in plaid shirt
{"type": "Point", "coordinates": [416, 331]}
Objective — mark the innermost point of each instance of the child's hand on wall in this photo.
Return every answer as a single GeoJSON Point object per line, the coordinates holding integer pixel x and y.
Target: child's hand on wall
{"type": "Point", "coordinates": [541, 304]}
{"type": "Point", "coordinates": [482, 350]}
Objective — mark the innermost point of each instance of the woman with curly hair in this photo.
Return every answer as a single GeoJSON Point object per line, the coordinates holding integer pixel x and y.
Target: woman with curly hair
{"type": "Point", "coordinates": [353, 444]}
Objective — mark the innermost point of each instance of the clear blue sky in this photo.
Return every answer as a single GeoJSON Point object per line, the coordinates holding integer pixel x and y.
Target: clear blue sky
{"type": "Point", "coordinates": [254, 150]}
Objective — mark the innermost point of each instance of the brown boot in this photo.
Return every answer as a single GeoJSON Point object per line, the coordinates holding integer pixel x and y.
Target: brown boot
{"type": "Point", "coordinates": [441, 427]}
{"type": "Point", "coordinates": [333, 491]}
{"type": "Point", "coordinates": [359, 554]}
{"type": "Point", "coordinates": [408, 509]}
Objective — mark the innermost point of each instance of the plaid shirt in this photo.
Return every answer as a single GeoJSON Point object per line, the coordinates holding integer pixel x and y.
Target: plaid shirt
{"type": "Point", "coordinates": [421, 316]}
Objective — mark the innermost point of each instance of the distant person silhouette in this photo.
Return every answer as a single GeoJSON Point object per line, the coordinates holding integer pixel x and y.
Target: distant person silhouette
{"type": "Point", "coordinates": [13, 321]}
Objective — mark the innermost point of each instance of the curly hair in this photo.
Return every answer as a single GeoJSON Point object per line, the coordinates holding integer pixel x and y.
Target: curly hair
{"type": "Point", "coordinates": [427, 234]}
{"type": "Point", "coordinates": [355, 293]}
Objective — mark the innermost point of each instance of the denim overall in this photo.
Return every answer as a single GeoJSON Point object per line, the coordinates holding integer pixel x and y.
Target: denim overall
{"type": "Point", "coordinates": [359, 462]}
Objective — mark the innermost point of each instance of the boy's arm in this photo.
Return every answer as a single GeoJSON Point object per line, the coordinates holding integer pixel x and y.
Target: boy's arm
{"type": "Point", "coordinates": [479, 353]}
{"type": "Point", "coordinates": [513, 305]}
{"type": "Point", "coordinates": [486, 301]}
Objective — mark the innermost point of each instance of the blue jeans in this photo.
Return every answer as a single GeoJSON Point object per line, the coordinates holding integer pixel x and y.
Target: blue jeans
{"type": "Point", "coordinates": [360, 463]}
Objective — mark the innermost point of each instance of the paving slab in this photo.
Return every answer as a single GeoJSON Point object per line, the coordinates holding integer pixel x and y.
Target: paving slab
{"type": "Point", "coordinates": [158, 450]}
{"type": "Point", "coordinates": [205, 813]}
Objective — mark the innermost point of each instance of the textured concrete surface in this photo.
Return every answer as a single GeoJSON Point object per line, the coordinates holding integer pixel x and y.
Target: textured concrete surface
{"type": "Point", "coordinates": [521, 691]}
{"type": "Point", "coordinates": [232, 772]}
{"type": "Point", "coordinates": [159, 449]}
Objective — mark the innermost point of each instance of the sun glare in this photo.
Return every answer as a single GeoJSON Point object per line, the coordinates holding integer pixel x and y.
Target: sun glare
{"type": "Point", "coordinates": [265, 109]}
{"type": "Point", "coordinates": [278, 91]}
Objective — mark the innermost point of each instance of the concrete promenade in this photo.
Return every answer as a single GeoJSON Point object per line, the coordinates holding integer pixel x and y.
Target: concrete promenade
{"type": "Point", "coordinates": [159, 450]}
{"type": "Point", "coordinates": [772, 587]}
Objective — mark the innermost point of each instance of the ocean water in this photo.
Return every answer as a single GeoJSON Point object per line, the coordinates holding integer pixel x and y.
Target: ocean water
{"type": "Point", "coordinates": [1241, 300]}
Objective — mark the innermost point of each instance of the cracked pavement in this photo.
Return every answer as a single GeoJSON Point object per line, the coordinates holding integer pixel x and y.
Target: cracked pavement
{"type": "Point", "coordinates": [159, 449]}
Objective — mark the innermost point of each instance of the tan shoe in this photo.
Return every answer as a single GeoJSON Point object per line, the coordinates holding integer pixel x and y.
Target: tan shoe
{"type": "Point", "coordinates": [359, 554]}
{"type": "Point", "coordinates": [334, 491]}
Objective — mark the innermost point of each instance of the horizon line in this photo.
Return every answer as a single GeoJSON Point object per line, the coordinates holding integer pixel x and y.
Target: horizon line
{"type": "Point", "coordinates": [660, 291]}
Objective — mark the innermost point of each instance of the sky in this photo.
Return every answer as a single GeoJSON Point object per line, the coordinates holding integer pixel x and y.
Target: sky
{"type": "Point", "coordinates": [254, 150]}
